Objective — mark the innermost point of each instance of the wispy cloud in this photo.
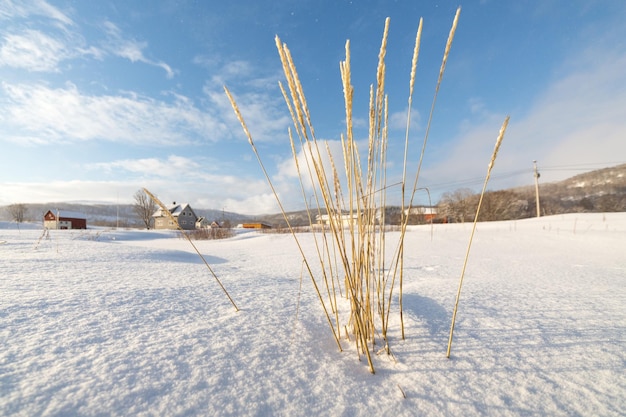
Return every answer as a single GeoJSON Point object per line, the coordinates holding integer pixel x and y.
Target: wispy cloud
{"type": "Point", "coordinates": [33, 51]}
{"type": "Point", "coordinates": [172, 167]}
{"type": "Point", "coordinates": [397, 120]}
{"type": "Point", "coordinates": [256, 92]}
{"type": "Point", "coordinates": [241, 195]}
{"type": "Point", "coordinates": [10, 9]}
{"type": "Point", "coordinates": [41, 48]}
{"type": "Point", "coordinates": [192, 179]}
{"type": "Point", "coordinates": [59, 115]}
{"type": "Point", "coordinates": [264, 112]}
{"type": "Point", "coordinates": [133, 50]}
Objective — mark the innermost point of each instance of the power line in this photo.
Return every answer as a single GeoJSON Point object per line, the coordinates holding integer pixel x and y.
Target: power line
{"type": "Point", "coordinates": [581, 167]}
{"type": "Point", "coordinates": [478, 180]}
{"type": "Point", "coordinates": [525, 172]}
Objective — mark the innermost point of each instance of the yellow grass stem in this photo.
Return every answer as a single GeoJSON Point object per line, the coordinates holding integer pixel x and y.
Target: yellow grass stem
{"type": "Point", "coordinates": [380, 75]}
{"type": "Point", "coordinates": [299, 116]}
{"type": "Point", "coordinates": [489, 168]}
{"type": "Point", "coordinates": [414, 60]}
{"type": "Point", "coordinates": [442, 69]}
{"type": "Point", "coordinates": [320, 253]}
{"type": "Point", "coordinates": [169, 215]}
{"type": "Point", "coordinates": [249, 136]}
{"type": "Point", "coordinates": [400, 251]}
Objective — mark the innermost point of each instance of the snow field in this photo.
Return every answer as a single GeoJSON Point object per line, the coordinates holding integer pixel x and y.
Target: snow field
{"type": "Point", "coordinates": [105, 322]}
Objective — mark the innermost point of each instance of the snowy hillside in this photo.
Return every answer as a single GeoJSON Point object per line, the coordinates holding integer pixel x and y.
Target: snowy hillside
{"type": "Point", "coordinates": [103, 322]}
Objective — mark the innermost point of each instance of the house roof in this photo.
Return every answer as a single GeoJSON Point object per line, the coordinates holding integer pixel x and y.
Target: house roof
{"type": "Point", "coordinates": [345, 216]}
{"type": "Point", "coordinates": [426, 210]}
{"type": "Point", "coordinates": [68, 214]}
{"type": "Point", "coordinates": [174, 209]}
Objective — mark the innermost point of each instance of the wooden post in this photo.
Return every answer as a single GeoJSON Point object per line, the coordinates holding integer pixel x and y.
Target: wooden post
{"type": "Point", "coordinates": [537, 175]}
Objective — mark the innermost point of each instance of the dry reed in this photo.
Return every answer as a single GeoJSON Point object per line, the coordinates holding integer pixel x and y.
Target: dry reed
{"type": "Point", "coordinates": [304, 259]}
{"type": "Point", "coordinates": [480, 201]}
{"type": "Point", "coordinates": [351, 251]}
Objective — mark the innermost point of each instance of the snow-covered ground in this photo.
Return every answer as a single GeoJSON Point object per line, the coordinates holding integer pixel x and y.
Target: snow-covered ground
{"type": "Point", "coordinates": [127, 322]}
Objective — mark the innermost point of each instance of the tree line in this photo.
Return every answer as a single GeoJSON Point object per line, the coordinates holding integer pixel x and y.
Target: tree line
{"type": "Point", "coordinates": [460, 205]}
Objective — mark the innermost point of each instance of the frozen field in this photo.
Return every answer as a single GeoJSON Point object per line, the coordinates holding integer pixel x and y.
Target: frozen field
{"type": "Point", "coordinates": [123, 322]}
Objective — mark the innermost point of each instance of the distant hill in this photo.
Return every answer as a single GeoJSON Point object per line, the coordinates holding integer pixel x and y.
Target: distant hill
{"type": "Point", "coordinates": [97, 214]}
{"type": "Point", "coordinates": [602, 190]}
{"type": "Point", "coordinates": [108, 215]}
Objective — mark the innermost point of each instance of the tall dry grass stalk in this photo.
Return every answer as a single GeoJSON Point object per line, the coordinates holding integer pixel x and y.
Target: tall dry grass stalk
{"type": "Point", "coordinates": [405, 222]}
{"type": "Point", "coordinates": [304, 258]}
{"type": "Point", "coordinates": [494, 155]}
{"type": "Point", "coordinates": [351, 250]}
{"type": "Point", "coordinates": [169, 215]}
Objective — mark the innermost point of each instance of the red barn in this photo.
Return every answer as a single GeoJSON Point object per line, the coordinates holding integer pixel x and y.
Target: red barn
{"type": "Point", "coordinates": [64, 220]}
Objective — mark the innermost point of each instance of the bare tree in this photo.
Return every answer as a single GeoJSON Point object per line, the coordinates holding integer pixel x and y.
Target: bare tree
{"type": "Point", "coordinates": [460, 205]}
{"type": "Point", "coordinates": [503, 205]}
{"type": "Point", "coordinates": [17, 212]}
{"type": "Point", "coordinates": [144, 207]}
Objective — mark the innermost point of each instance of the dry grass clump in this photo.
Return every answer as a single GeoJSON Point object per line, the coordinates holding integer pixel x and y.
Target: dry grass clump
{"type": "Point", "coordinates": [351, 250]}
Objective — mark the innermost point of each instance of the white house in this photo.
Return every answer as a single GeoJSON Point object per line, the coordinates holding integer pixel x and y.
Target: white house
{"type": "Point", "coordinates": [182, 214]}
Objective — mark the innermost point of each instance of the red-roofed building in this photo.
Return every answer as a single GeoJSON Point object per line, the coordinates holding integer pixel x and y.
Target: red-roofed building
{"type": "Point", "coordinates": [61, 219]}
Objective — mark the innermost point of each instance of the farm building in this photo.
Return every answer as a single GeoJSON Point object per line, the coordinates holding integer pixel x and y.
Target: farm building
{"type": "Point", "coordinates": [60, 219]}
{"type": "Point", "coordinates": [256, 226]}
{"type": "Point", "coordinates": [203, 223]}
{"type": "Point", "coordinates": [425, 214]}
{"type": "Point", "coordinates": [183, 214]}
{"type": "Point", "coordinates": [345, 219]}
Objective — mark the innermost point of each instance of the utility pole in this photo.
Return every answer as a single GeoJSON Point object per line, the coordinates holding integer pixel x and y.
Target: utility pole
{"type": "Point", "coordinates": [117, 214]}
{"type": "Point", "coordinates": [537, 175]}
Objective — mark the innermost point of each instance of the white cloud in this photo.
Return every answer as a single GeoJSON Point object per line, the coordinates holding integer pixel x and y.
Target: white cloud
{"type": "Point", "coordinates": [35, 50]}
{"type": "Point", "coordinates": [10, 9]}
{"type": "Point", "coordinates": [32, 50]}
{"type": "Point", "coordinates": [397, 120]}
{"type": "Point", "coordinates": [286, 179]}
{"type": "Point", "coordinates": [69, 191]}
{"type": "Point", "coordinates": [264, 114]}
{"type": "Point", "coordinates": [58, 115]}
{"type": "Point", "coordinates": [130, 49]}
{"type": "Point", "coordinates": [241, 195]}
{"type": "Point", "coordinates": [287, 169]}
{"type": "Point", "coordinates": [40, 45]}
{"type": "Point", "coordinates": [256, 93]}
{"type": "Point", "coordinates": [173, 167]}
{"type": "Point", "coordinates": [192, 180]}
{"type": "Point", "coordinates": [577, 120]}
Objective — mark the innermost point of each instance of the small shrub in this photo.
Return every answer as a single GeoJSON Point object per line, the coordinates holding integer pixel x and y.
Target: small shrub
{"type": "Point", "coordinates": [210, 233]}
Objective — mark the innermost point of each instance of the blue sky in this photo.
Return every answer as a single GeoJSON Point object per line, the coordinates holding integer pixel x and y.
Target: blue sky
{"type": "Point", "coordinates": [99, 99]}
